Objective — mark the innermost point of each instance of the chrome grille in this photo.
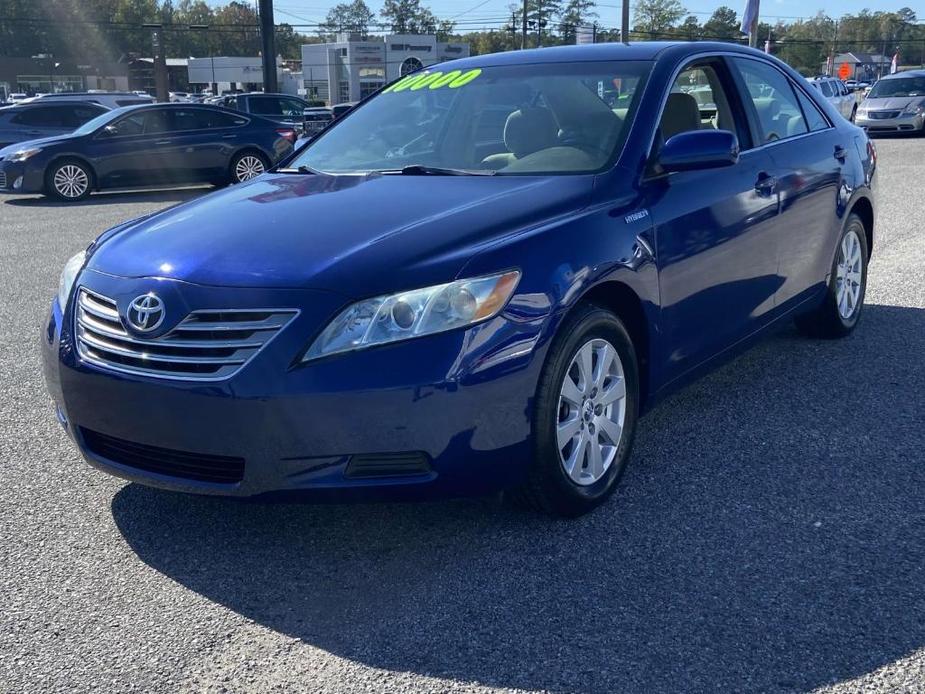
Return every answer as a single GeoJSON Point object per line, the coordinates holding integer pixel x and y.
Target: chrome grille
{"type": "Point", "coordinates": [883, 115]}
{"type": "Point", "coordinates": [207, 345]}
{"type": "Point", "coordinates": [2, 178]}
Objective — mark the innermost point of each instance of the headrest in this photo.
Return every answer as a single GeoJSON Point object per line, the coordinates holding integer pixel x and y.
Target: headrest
{"type": "Point", "coordinates": [529, 130]}
{"type": "Point", "coordinates": [681, 115]}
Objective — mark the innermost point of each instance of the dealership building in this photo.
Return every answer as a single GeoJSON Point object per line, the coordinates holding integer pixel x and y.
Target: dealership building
{"type": "Point", "coordinates": [351, 68]}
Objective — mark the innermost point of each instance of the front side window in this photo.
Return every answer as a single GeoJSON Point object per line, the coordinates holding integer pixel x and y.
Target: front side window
{"type": "Point", "coordinates": [697, 101]}
{"type": "Point", "coordinates": [775, 103]}
{"type": "Point", "coordinates": [550, 118]}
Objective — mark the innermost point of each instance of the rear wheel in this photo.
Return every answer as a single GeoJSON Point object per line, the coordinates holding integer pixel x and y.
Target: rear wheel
{"type": "Point", "coordinates": [585, 415]}
{"type": "Point", "coordinates": [69, 180]}
{"type": "Point", "coordinates": [839, 313]}
{"type": "Point", "coordinates": [854, 112]}
{"type": "Point", "coordinates": [248, 165]}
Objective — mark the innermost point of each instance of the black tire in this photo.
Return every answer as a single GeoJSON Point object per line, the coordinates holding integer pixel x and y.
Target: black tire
{"type": "Point", "coordinates": [827, 321]}
{"type": "Point", "coordinates": [235, 167]}
{"type": "Point", "coordinates": [854, 113]}
{"type": "Point", "coordinates": [549, 488]}
{"type": "Point", "coordinates": [74, 170]}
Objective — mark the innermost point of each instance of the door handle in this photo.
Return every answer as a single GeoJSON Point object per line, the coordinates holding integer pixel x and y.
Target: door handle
{"type": "Point", "coordinates": [766, 184]}
{"type": "Point", "coordinates": [162, 142]}
{"type": "Point", "coordinates": [841, 153]}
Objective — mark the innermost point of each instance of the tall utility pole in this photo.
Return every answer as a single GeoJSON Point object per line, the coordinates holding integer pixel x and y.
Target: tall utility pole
{"type": "Point", "coordinates": [523, 35]}
{"type": "Point", "coordinates": [625, 22]}
{"type": "Point", "coordinates": [160, 62]}
{"type": "Point", "coordinates": [513, 29]}
{"type": "Point", "coordinates": [268, 45]}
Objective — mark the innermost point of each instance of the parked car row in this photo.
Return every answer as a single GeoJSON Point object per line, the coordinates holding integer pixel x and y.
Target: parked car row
{"type": "Point", "coordinates": [143, 145]}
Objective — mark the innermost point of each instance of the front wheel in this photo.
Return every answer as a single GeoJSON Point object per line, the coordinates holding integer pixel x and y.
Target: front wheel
{"type": "Point", "coordinates": [585, 415]}
{"type": "Point", "coordinates": [68, 180]}
{"type": "Point", "coordinates": [248, 165]}
{"type": "Point", "coordinates": [839, 313]}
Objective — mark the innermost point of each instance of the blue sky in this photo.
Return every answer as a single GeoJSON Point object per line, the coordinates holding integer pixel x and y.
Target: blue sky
{"type": "Point", "coordinates": [486, 14]}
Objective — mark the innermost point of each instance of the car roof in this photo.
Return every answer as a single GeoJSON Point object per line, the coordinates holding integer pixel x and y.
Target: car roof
{"type": "Point", "coordinates": [593, 52]}
{"type": "Point", "coordinates": [45, 103]}
{"type": "Point", "coordinates": [906, 73]}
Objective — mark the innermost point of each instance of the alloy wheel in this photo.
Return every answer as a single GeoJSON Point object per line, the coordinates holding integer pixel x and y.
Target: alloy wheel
{"type": "Point", "coordinates": [249, 166]}
{"type": "Point", "coordinates": [848, 275]}
{"type": "Point", "coordinates": [591, 412]}
{"type": "Point", "coordinates": [71, 181]}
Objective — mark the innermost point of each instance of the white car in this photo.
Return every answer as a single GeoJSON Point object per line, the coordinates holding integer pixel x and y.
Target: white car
{"type": "Point", "coordinates": [16, 97]}
{"type": "Point", "coordinates": [837, 93]}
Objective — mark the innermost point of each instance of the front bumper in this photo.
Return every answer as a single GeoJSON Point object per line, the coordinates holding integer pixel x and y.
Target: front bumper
{"type": "Point", "coordinates": [20, 177]}
{"type": "Point", "coordinates": [458, 400]}
{"type": "Point", "coordinates": [900, 123]}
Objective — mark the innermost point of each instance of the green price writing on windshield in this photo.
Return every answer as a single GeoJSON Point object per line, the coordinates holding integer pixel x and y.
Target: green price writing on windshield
{"type": "Point", "coordinates": [434, 80]}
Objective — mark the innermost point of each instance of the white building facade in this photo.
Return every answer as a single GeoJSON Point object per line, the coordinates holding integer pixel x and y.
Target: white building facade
{"type": "Point", "coordinates": [351, 69]}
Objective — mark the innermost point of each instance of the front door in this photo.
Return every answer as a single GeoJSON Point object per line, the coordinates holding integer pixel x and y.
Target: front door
{"type": "Point", "coordinates": [715, 230]}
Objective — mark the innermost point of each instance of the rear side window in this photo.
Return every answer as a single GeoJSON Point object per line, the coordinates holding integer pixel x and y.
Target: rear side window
{"type": "Point", "coordinates": [825, 88]}
{"type": "Point", "coordinates": [204, 119]}
{"type": "Point", "coordinates": [276, 106]}
{"type": "Point", "coordinates": [814, 118]}
{"type": "Point", "coordinates": [47, 117]}
{"type": "Point", "coordinates": [776, 106]}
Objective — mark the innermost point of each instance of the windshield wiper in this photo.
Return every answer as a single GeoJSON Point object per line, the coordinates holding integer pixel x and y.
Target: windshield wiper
{"type": "Point", "coordinates": [421, 170]}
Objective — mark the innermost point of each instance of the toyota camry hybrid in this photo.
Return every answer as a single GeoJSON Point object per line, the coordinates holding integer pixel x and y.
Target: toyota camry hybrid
{"type": "Point", "coordinates": [475, 281]}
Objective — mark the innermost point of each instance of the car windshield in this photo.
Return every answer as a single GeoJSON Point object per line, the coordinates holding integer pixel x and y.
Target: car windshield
{"type": "Point", "coordinates": [552, 118]}
{"type": "Point", "coordinates": [98, 122]}
{"type": "Point", "coordinates": [900, 86]}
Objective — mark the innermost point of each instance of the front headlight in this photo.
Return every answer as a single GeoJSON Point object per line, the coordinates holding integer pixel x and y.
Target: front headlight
{"type": "Point", "coordinates": [410, 314]}
{"type": "Point", "coordinates": [23, 154]}
{"type": "Point", "coordinates": [862, 112]}
{"type": "Point", "coordinates": [68, 276]}
{"type": "Point", "coordinates": [914, 109]}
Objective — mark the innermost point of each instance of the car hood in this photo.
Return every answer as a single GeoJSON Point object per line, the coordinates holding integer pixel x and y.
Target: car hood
{"type": "Point", "coordinates": [356, 235]}
{"type": "Point", "coordinates": [41, 142]}
{"type": "Point", "coordinates": [890, 103]}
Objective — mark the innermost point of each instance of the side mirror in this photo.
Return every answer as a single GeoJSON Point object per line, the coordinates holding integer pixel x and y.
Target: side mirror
{"type": "Point", "coordinates": [699, 149]}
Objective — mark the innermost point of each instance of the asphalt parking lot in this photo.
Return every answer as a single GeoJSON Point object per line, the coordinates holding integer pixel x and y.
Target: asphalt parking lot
{"type": "Point", "coordinates": [769, 534]}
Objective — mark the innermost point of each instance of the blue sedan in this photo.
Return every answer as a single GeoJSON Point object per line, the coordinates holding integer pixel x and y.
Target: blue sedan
{"type": "Point", "coordinates": [475, 281]}
{"type": "Point", "coordinates": [143, 146]}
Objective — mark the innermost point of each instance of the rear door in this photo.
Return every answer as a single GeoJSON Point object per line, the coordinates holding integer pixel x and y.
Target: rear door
{"type": "Point", "coordinates": [204, 140]}
{"type": "Point", "coordinates": [808, 154]}
{"type": "Point", "coordinates": [715, 230]}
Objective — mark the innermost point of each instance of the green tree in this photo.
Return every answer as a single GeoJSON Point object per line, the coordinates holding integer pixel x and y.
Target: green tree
{"type": "Point", "coordinates": [654, 16]}
{"type": "Point", "coordinates": [723, 24]}
{"type": "Point", "coordinates": [690, 27]}
{"type": "Point", "coordinates": [408, 17]}
{"type": "Point", "coordinates": [575, 14]}
{"type": "Point", "coordinates": [355, 17]}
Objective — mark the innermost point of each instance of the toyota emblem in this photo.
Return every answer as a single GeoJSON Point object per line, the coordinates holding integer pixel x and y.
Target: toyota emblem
{"type": "Point", "coordinates": [146, 313]}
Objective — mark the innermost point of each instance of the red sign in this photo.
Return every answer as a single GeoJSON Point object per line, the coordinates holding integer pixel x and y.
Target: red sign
{"type": "Point", "coordinates": [844, 71]}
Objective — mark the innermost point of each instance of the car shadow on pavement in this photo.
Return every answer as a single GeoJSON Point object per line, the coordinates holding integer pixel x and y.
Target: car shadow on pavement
{"type": "Point", "coordinates": [117, 197]}
{"type": "Point", "coordinates": [769, 535]}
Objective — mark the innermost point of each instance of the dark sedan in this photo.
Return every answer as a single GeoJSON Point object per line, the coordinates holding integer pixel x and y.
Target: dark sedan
{"type": "Point", "coordinates": [143, 146]}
